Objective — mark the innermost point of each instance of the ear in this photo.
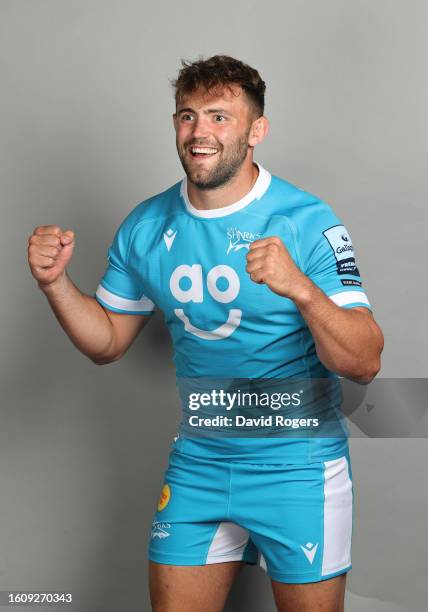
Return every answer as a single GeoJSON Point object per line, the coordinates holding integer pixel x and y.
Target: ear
{"type": "Point", "coordinates": [259, 130]}
{"type": "Point", "coordinates": [174, 120]}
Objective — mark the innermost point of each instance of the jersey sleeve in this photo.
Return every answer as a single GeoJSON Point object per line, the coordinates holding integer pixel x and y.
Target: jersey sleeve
{"type": "Point", "coordinates": [119, 289]}
{"type": "Point", "coordinates": [329, 258]}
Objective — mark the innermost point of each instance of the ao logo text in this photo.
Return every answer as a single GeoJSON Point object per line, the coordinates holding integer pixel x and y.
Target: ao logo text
{"type": "Point", "coordinates": [195, 293]}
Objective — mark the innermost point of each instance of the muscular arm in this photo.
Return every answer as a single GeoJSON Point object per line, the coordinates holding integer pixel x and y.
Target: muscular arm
{"type": "Point", "coordinates": [100, 334]}
{"type": "Point", "coordinates": [347, 340]}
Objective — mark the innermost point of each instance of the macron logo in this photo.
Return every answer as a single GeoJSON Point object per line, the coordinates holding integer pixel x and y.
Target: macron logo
{"type": "Point", "coordinates": [310, 551]}
{"type": "Point", "coordinates": [169, 237]}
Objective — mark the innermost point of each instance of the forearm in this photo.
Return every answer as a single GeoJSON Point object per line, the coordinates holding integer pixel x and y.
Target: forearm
{"type": "Point", "coordinates": [82, 318]}
{"type": "Point", "coordinates": [347, 341]}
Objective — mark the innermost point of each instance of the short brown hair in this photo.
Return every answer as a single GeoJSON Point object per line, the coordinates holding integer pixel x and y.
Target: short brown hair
{"type": "Point", "coordinates": [217, 72]}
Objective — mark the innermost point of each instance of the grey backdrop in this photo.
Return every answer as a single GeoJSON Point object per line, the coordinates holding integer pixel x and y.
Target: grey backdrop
{"type": "Point", "coordinates": [86, 134]}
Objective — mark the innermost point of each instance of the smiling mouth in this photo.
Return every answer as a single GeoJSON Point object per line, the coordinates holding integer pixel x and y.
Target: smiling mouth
{"type": "Point", "coordinates": [202, 152]}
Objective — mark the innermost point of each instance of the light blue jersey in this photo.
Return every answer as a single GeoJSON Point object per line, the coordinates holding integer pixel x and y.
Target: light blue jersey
{"type": "Point", "coordinates": [191, 263]}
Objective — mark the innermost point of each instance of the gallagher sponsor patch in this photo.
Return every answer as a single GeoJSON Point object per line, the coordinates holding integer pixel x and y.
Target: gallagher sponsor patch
{"type": "Point", "coordinates": [340, 242]}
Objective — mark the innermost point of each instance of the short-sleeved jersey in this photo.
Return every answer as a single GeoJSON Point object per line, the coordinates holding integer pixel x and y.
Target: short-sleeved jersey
{"type": "Point", "coordinates": [190, 263]}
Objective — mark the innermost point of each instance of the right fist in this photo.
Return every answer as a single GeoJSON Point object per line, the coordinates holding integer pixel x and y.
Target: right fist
{"type": "Point", "coordinates": [49, 251]}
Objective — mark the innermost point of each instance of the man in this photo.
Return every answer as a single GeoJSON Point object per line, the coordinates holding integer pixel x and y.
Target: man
{"type": "Point", "coordinates": [257, 280]}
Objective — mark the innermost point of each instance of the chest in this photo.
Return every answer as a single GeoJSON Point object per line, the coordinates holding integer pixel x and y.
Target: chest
{"type": "Point", "coordinates": [199, 268]}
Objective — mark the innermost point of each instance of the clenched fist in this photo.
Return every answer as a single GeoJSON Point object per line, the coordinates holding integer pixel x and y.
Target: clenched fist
{"type": "Point", "coordinates": [49, 251]}
{"type": "Point", "coordinates": [269, 262]}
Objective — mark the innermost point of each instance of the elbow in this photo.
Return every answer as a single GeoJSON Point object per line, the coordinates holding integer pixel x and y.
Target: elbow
{"type": "Point", "coordinates": [365, 379]}
{"type": "Point", "coordinates": [110, 354]}
{"type": "Point", "coordinates": [99, 361]}
{"type": "Point", "coordinates": [369, 369]}
{"type": "Point", "coordinates": [366, 373]}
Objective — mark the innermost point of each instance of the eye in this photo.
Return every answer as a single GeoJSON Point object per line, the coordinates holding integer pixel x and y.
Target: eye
{"type": "Point", "coordinates": [186, 117]}
{"type": "Point", "coordinates": [220, 118]}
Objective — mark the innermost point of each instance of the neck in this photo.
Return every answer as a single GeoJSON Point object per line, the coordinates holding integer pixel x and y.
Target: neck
{"type": "Point", "coordinates": [232, 191]}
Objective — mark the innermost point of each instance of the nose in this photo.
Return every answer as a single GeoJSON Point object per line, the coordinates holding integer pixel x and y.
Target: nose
{"type": "Point", "coordinates": [200, 127]}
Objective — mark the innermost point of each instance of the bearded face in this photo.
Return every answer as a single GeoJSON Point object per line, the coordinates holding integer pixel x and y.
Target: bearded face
{"type": "Point", "coordinates": [212, 137]}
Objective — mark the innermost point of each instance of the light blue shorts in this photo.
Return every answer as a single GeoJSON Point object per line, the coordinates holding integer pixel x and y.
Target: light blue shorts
{"type": "Point", "coordinates": [295, 521]}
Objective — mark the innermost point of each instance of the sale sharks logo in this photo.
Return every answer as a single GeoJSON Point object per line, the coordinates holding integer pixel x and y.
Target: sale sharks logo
{"type": "Point", "coordinates": [239, 239]}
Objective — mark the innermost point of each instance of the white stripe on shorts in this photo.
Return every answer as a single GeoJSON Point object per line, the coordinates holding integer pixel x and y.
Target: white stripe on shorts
{"type": "Point", "coordinates": [337, 516]}
{"type": "Point", "coordinates": [228, 543]}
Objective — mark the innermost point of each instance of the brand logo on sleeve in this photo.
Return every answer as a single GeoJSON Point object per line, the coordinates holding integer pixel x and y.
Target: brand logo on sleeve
{"type": "Point", "coordinates": [340, 242]}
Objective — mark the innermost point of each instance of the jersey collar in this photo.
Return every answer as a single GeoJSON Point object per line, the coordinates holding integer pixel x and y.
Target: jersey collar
{"type": "Point", "coordinates": [259, 188]}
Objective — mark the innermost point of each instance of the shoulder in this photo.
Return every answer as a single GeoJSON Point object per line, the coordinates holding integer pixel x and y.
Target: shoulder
{"type": "Point", "coordinates": [301, 208]}
{"type": "Point", "coordinates": [312, 222]}
{"type": "Point", "coordinates": [153, 209]}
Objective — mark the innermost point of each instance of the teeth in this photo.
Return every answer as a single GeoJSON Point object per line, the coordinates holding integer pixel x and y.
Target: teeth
{"type": "Point", "coordinates": [204, 150]}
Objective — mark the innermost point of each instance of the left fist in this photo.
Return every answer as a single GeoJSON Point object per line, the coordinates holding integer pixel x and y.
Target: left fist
{"type": "Point", "coordinates": [269, 262]}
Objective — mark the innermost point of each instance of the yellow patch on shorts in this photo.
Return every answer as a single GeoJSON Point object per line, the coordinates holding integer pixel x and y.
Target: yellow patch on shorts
{"type": "Point", "coordinates": [165, 496]}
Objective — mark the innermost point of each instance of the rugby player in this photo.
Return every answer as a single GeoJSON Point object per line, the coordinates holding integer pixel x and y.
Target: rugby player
{"type": "Point", "coordinates": [257, 280]}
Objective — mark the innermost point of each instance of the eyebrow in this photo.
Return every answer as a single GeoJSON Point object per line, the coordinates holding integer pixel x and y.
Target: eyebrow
{"type": "Point", "coordinates": [209, 111]}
